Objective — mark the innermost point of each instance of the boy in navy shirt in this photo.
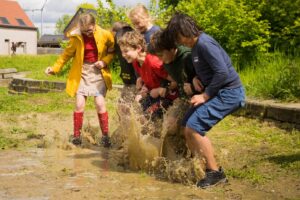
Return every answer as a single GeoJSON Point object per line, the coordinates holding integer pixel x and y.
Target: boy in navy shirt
{"type": "Point", "coordinates": [223, 92]}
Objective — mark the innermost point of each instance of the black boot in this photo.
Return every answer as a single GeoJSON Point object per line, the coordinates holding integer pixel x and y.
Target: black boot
{"type": "Point", "coordinates": [212, 178]}
{"type": "Point", "coordinates": [75, 140]}
{"type": "Point", "coordinates": [105, 141]}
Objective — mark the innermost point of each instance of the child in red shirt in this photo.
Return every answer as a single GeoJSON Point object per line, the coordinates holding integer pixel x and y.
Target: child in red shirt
{"type": "Point", "coordinates": [150, 69]}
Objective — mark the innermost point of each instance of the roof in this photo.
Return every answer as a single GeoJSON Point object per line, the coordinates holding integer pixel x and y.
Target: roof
{"type": "Point", "coordinates": [50, 39]}
{"type": "Point", "coordinates": [13, 16]}
{"type": "Point", "coordinates": [73, 22]}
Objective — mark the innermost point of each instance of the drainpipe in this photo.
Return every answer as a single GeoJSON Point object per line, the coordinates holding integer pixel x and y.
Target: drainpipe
{"type": "Point", "coordinates": [8, 45]}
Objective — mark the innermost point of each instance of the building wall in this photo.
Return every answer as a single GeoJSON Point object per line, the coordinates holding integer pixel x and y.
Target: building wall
{"type": "Point", "coordinates": [10, 35]}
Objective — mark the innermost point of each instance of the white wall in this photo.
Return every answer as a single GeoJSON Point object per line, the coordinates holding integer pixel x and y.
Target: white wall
{"type": "Point", "coordinates": [18, 35]}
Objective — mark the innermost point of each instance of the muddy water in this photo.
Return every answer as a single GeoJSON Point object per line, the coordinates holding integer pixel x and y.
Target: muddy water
{"type": "Point", "coordinates": [78, 174]}
{"type": "Point", "coordinates": [158, 147]}
{"type": "Point", "coordinates": [141, 165]}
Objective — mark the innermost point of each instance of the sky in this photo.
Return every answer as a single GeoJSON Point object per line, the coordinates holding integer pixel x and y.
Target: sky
{"type": "Point", "coordinates": [54, 9]}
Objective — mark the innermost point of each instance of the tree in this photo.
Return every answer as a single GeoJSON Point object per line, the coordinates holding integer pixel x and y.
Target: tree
{"type": "Point", "coordinates": [86, 6]}
{"type": "Point", "coordinates": [284, 20]}
{"type": "Point", "coordinates": [62, 23]}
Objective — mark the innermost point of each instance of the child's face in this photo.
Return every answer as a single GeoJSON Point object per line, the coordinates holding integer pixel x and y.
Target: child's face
{"type": "Point", "coordinates": [167, 56]}
{"type": "Point", "coordinates": [88, 30]}
{"type": "Point", "coordinates": [130, 54]}
{"type": "Point", "coordinates": [186, 41]}
{"type": "Point", "coordinates": [140, 24]}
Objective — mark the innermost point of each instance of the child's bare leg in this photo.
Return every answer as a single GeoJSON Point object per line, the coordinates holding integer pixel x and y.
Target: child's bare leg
{"type": "Point", "coordinates": [203, 147]}
{"type": "Point", "coordinates": [80, 103]}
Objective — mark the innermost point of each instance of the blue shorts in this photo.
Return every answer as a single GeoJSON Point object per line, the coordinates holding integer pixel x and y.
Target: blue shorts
{"type": "Point", "coordinates": [202, 118]}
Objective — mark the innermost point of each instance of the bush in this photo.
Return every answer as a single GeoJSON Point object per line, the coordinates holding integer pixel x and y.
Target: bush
{"type": "Point", "coordinates": [236, 27]}
{"type": "Point", "coordinates": [284, 19]}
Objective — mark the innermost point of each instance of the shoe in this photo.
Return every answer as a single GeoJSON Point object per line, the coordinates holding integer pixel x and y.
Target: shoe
{"type": "Point", "coordinates": [75, 140]}
{"type": "Point", "coordinates": [105, 141]}
{"type": "Point", "coordinates": [212, 178]}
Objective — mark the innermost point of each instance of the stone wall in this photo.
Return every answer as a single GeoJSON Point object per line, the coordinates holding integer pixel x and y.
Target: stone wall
{"type": "Point", "coordinates": [48, 50]}
{"type": "Point", "coordinates": [6, 76]}
{"type": "Point", "coordinates": [283, 112]}
{"type": "Point", "coordinates": [26, 85]}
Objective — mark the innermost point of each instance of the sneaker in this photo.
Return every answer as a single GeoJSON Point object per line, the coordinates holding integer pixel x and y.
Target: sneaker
{"type": "Point", "coordinates": [212, 178]}
{"type": "Point", "coordinates": [105, 141]}
{"type": "Point", "coordinates": [75, 140]}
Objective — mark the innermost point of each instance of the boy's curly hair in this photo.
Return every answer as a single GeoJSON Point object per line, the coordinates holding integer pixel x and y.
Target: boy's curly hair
{"type": "Point", "coordinates": [133, 39]}
{"type": "Point", "coordinates": [160, 41]}
{"type": "Point", "coordinates": [183, 24]}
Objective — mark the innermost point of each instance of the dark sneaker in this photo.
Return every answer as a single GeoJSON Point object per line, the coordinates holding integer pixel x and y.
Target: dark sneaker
{"type": "Point", "coordinates": [75, 140]}
{"type": "Point", "coordinates": [212, 178]}
{"type": "Point", "coordinates": [105, 141]}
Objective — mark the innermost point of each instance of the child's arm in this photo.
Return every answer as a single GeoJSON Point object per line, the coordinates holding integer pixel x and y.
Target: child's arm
{"type": "Point", "coordinates": [139, 83]}
{"type": "Point", "coordinates": [68, 53]}
{"type": "Point", "coordinates": [163, 91]}
{"type": "Point", "coordinates": [110, 44]}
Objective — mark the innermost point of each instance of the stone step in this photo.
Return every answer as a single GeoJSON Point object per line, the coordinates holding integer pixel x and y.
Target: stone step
{"type": "Point", "coordinates": [8, 70]}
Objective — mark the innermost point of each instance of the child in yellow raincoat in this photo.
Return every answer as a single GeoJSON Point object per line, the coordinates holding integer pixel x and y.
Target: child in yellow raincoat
{"type": "Point", "coordinates": [91, 48]}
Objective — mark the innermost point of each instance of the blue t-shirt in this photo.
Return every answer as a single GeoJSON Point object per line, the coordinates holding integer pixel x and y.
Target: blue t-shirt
{"type": "Point", "coordinates": [213, 66]}
{"type": "Point", "coordinates": [147, 36]}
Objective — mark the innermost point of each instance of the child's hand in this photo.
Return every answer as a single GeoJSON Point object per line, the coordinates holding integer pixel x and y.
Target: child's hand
{"type": "Point", "coordinates": [199, 99]}
{"type": "Point", "coordinates": [172, 85]}
{"type": "Point", "coordinates": [138, 98]}
{"type": "Point", "coordinates": [144, 91]}
{"type": "Point", "coordinates": [100, 64]}
{"type": "Point", "coordinates": [156, 92]}
{"type": "Point", "coordinates": [49, 71]}
{"type": "Point", "coordinates": [139, 83]}
{"type": "Point", "coordinates": [197, 84]}
{"type": "Point", "coordinates": [187, 88]}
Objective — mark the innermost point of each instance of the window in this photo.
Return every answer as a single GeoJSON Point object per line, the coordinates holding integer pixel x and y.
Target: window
{"type": "Point", "coordinates": [21, 22]}
{"type": "Point", "coordinates": [3, 20]}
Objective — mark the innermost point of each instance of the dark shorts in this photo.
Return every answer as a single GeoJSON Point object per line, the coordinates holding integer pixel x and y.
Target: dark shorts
{"type": "Point", "coordinates": [202, 118]}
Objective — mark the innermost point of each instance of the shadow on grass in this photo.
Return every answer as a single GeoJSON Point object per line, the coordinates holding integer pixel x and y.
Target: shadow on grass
{"type": "Point", "coordinates": [285, 160]}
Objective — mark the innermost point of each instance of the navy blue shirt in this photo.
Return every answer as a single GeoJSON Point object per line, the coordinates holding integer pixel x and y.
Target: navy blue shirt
{"type": "Point", "coordinates": [213, 66]}
{"type": "Point", "coordinates": [147, 36]}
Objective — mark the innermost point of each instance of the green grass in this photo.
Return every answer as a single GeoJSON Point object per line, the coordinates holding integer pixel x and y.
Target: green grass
{"type": "Point", "coordinates": [260, 147]}
{"type": "Point", "coordinates": [7, 142]}
{"type": "Point", "coordinates": [36, 65]}
{"type": "Point", "coordinates": [273, 76]}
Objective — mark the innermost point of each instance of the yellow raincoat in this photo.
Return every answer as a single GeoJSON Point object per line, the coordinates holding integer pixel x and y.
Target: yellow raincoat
{"type": "Point", "coordinates": [75, 49]}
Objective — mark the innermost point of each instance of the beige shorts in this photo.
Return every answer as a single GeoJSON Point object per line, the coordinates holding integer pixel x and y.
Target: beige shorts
{"type": "Point", "coordinates": [92, 82]}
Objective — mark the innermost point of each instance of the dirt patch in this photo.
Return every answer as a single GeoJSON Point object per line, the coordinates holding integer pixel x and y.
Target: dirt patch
{"type": "Point", "coordinates": [138, 166]}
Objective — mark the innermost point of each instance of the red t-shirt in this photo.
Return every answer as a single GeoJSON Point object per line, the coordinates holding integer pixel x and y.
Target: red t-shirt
{"type": "Point", "coordinates": [90, 49]}
{"type": "Point", "coordinates": [151, 72]}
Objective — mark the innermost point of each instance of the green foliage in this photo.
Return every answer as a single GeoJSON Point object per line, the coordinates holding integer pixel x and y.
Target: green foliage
{"type": "Point", "coordinates": [86, 6]}
{"type": "Point", "coordinates": [234, 25]}
{"type": "Point", "coordinates": [61, 23]}
{"type": "Point", "coordinates": [273, 76]}
{"type": "Point", "coordinates": [108, 15]}
{"type": "Point", "coordinates": [162, 12]}
{"type": "Point", "coordinates": [284, 20]}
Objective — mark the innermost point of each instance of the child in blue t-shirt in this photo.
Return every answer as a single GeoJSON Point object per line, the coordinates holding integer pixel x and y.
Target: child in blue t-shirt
{"type": "Point", "coordinates": [223, 91]}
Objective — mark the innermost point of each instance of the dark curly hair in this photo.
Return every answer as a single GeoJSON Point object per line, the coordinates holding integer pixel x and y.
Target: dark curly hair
{"type": "Point", "coordinates": [160, 41]}
{"type": "Point", "coordinates": [184, 25]}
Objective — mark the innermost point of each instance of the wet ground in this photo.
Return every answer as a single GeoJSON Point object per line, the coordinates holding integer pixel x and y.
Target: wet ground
{"type": "Point", "coordinates": [47, 166]}
{"type": "Point", "coordinates": [37, 174]}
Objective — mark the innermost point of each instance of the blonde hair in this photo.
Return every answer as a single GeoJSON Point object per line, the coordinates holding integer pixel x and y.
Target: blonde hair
{"type": "Point", "coordinates": [139, 11]}
{"type": "Point", "coordinates": [133, 39]}
{"type": "Point", "coordinates": [86, 19]}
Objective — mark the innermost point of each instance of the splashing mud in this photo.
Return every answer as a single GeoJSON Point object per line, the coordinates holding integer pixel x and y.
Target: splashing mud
{"type": "Point", "coordinates": [157, 147]}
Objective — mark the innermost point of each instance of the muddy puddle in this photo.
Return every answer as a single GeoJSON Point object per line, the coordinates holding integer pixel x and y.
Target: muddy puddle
{"type": "Point", "coordinates": [147, 161]}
